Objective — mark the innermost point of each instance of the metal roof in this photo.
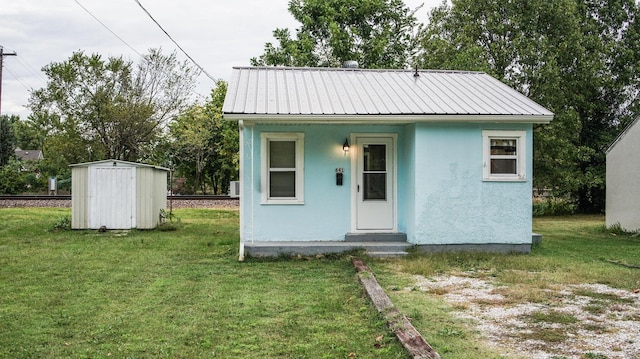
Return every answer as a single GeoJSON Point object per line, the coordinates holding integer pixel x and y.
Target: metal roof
{"type": "Point", "coordinates": [115, 163]}
{"type": "Point", "coordinates": [316, 93]}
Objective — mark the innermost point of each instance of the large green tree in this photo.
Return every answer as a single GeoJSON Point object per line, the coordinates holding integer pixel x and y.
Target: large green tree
{"type": "Point", "coordinates": [204, 147]}
{"type": "Point", "coordinates": [94, 108]}
{"type": "Point", "coordinates": [7, 139]}
{"type": "Point", "coordinates": [376, 33]}
{"type": "Point", "coordinates": [579, 58]}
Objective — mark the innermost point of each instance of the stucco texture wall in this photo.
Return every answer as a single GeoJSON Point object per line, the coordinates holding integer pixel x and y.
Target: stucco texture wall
{"type": "Point", "coordinates": [441, 196]}
{"type": "Point", "coordinates": [453, 205]}
{"type": "Point", "coordinates": [326, 212]}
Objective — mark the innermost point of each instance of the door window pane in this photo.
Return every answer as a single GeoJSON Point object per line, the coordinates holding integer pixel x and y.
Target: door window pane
{"type": "Point", "coordinates": [375, 186]}
{"type": "Point", "coordinates": [375, 157]}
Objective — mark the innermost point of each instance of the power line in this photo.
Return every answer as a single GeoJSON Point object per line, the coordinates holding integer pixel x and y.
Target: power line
{"type": "Point", "coordinates": [172, 40]}
{"type": "Point", "coordinates": [18, 79]}
{"type": "Point", "coordinates": [30, 68]}
{"type": "Point", "coordinates": [106, 27]}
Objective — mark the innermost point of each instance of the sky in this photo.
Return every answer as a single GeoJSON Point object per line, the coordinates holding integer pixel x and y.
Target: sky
{"type": "Point", "coordinates": [217, 34]}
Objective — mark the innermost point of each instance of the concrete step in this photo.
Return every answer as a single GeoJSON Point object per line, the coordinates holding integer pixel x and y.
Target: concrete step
{"type": "Point", "coordinates": [386, 254]}
{"type": "Point", "coordinates": [262, 249]}
{"type": "Point", "coordinates": [383, 246]}
{"type": "Point", "coordinates": [387, 249]}
{"type": "Point", "coordinates": [375, 237]}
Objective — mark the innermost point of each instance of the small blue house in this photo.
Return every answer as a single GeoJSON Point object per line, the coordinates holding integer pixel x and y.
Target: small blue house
{"type": "Point", "coordinates": [337, 158]}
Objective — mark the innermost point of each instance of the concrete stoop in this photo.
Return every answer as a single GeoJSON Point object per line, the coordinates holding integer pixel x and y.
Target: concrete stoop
{"type": "Point", "coordinates": [380, 245]}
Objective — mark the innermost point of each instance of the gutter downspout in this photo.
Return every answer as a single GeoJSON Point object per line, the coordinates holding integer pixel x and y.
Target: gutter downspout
{"type": "Point", "coordinates": [251, 183]}
{"type": "Point", "coordinates": [242, 184]}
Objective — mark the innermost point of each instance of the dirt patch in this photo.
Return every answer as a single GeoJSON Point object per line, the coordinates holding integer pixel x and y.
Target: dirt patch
{"type": "Point", "coordinates": [572, 321]}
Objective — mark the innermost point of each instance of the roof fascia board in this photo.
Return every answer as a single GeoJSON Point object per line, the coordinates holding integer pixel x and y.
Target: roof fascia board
{"type": "Point", "coordinates": [111, 161]}
{"type": "Point", "coordinates": [373, 119]}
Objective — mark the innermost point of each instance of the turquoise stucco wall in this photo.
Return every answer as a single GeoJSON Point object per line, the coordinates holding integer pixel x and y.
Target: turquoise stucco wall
{"type": "Point", "coordinates": [452, 203]}
{"type": "Point", "coordinates": [441, 196]}
{"type": "Point", "coordinates": [326, 212]}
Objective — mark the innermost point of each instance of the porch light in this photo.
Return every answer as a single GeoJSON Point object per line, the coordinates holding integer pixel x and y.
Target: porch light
{"type": "Point", "coordinates": [345, 146]}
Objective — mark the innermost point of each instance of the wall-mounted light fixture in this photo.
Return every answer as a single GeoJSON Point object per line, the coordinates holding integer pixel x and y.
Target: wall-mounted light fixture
{"type": "Point", "coordinates": [345, 146]}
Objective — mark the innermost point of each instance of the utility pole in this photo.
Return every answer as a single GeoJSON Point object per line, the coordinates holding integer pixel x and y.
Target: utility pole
{"type": "Point", "coordinates": [2, 55]}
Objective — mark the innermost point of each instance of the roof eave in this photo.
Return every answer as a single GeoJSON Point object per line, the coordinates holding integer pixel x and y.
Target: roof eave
{"type": "Point", "coordinates": [388, 119]}
{"type": "Point", "coordinates": [133, 164]}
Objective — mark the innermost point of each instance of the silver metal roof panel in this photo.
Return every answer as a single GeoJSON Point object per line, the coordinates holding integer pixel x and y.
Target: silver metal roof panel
{"type": "Point", "coordinates": [337, 92]}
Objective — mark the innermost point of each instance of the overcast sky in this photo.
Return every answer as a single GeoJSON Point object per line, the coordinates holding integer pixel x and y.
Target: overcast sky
{"type": "Point", "coordinates": [217, 34]}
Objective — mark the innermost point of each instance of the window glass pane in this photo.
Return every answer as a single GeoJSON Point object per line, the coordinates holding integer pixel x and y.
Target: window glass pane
{"type": "Point", "coordinates": [500, 146]}
{"type": "Point", "coordinates": [282, 154]}
{"type": "Point", "coordinates": [375, 157]}
{"type": "Point", "coordinates": [503, 166]}
{"type": "Point", "coordinates": [282, 184]}
{"type": "Point", "coordinates": [375, 186]}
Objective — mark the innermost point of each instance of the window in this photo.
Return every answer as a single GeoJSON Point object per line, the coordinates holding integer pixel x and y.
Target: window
{"type": "Point", "coordinates": [504, 155]}
{"type": "Point", "coordinates": [282, 168]}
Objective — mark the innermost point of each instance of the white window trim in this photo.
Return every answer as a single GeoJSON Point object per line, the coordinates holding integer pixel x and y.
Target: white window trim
{"type": "Point", "coordinates": [264, 187]}
{"type": "Point", "coordinates": [521, 155]}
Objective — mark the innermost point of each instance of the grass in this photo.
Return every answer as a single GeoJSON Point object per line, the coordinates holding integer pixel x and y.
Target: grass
{"type": "Point", "coordinates": [575, 249]}
{"type": "Point", "coordinates": [174, 294]}
{"type": "Point", "coordinates": [182, 293]}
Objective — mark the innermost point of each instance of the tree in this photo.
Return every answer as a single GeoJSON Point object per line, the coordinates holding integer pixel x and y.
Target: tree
{"type": "Point", "coordinates": [579, 58]}
{"type": "Point", "coordinates": [108, 108]}
{"type": "Point", "coordinates": [12, 178]}
{"type": "Point", "coordinates": [226, 162]}
{"type": "Point", "coordinates": [7, 139]}
{"type": "Point", "coordinates": [204, 146]}
{"type": "Point", "coordinates": [376, 33]}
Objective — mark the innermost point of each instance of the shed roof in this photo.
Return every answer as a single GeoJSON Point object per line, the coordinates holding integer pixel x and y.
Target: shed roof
{"type": "Point", "coordinates": [339, 93]}
{"type": "Point", "coordinates": [112, 162]}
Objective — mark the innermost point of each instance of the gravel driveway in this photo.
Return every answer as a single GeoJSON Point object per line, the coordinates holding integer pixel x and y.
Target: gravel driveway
{"type": "Point", "coordinates": [577, 321]}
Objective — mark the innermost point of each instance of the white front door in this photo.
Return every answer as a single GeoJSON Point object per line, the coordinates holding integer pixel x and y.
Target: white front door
{"type": "Point", "coordinates": [375, 187]}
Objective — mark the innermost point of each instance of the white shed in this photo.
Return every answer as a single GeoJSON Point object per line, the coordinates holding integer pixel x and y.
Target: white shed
{"type": "Point", "coordinates": [623, 171]}
{"type": "Point", "coordinates": [117, 195]}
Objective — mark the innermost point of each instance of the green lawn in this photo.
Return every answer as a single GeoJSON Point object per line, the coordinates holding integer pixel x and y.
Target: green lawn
{"type": "Point", "coordinates": [177, 294]}
{"type": "Point", "coordinates": [183, 294]}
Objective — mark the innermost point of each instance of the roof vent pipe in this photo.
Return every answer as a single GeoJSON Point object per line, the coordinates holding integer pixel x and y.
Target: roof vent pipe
{"type": "Point", "coordinates": [350, 64]}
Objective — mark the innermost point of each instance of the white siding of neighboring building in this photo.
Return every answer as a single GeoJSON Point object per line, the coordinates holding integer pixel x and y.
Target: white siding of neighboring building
{"type": "Point", "coordinates": [623, 174]}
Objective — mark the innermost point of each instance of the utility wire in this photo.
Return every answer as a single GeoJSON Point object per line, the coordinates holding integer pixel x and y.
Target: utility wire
{"type": "Point", "coordinates": [172, 40]}
{"type": "Point", "coordinates": [30, 68]}
{"type": "Point", "coordinates": [18, 79]}
{"type": "Point", "coordinates": [106, 27]}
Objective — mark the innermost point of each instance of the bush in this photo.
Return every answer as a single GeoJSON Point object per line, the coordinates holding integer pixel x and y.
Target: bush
{"type": "Point", "coordinates": [553, 206]}
{"type": "Point", "coordinates": [63, 224]}
{"type": "Point", "coordinates": [12, 179]}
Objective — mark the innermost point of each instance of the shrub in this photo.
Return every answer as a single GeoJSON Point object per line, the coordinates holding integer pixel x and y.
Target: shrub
{"type": "Point", "coordinates": [553, 206]}
{"type": "Point", "coordinates": [63, 224]}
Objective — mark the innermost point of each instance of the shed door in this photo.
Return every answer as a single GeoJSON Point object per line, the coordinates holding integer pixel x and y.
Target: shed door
{"type": "Point", "coordinates": [112, 197]}
{"type": "Point", "coordinates": [375, 184]}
